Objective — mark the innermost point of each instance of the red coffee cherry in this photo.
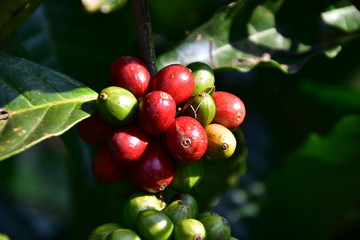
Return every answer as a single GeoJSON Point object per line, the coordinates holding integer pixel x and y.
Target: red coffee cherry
{"type": "Point", "coordinates": [131, 73]}
{"type": "Point", "coordinates": [176, 80]}
{"type": "Point", "coordinates": [154, 170]}
{"type": "Point", "coordinates": [105, 168]}
{"type": "Point", "coordinates": [128, 143]}
{"type": "Point", "coordinates": [94, 130]}
{"type": "Point", "coordinates": [230, 110]}
{"type": "Point", "coordinates": [156, 112]}
{"type": "Point", "coordinates": [186, 139]}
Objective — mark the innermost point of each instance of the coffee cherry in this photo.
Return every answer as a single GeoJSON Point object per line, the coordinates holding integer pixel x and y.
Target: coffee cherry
{"type": "Point", "coordinates": [156, 112]}
{"type": "Point", "coordinates": [186, 139]}
{"type": "Point", "coordinates": [201, 107]}
{"type": "Point", "coordinates": [154, 170]}
{"type": "Point", "coordinates": [230, 110]}
{"type": "Point", "coordinates": [205, 214]}
{"type": "Point", "coordinates": [94, 130]}
{"type": "Point", "coordinates": [179, 210]}
{"type": "Point", "coordinates": [189, 229]}
{"type": "Point", "coordinates": [154, 225]}
{"type": "Point", "coordinates": [203, 76]}
{"type": "Point", "coordinates": [123, 234]}
{"type": "Point", "coordinates": [128, 143]}
{"type": "Point", "coordinates": [138, 202]}
{"type": "Point", "coordinates": [189, 199]}
{"type": "Point", "coordinates": [130, 73]}
{"type": "Point", "coordinates": [221, 141]}
{"type": "Point", "coordinates": [105, 168]}
{"type": "Point", "coordinates": [187, 175]}
{"type": "Point", "coordinates": [117, 105]}
{"type": "Point", "coordinates": [102, 231]}
{"type": "Point", "coordinates": [176, 80]}
{"type": "Point", "coordinates": [217, 227]}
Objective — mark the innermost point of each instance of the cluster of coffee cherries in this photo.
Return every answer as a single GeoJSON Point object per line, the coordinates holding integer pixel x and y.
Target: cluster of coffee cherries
{"type": "Point", "coordinates": [147, 127]}
{"type": "Point", "coordinates": [147, 217]}
{"type": "Point", "coordinates": [156, 130]}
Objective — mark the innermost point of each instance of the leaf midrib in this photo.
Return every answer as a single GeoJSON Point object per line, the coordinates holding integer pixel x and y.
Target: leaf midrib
{"type": "Point", "coordinates": [51, 104]}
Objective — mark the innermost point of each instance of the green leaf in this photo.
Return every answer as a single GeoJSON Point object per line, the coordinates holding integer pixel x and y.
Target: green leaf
{"type": "Point", "coordinates": [12, 13]}
{"type": "Point", "coordinates": [316, 187]}
{"type": "Point", "coordinates": [64, 37]}
{"type": "Point", "coordinates": [244, 34]}
{"type": "Point", "coordinates": [37, 103]}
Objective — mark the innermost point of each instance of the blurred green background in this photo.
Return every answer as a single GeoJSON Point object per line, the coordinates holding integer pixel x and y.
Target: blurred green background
{"type": "Point", "coordinates": [302, 130]}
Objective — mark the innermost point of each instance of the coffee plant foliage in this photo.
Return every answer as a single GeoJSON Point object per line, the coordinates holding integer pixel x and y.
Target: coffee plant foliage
{"type": "Point", "coordinates": [293, 62]}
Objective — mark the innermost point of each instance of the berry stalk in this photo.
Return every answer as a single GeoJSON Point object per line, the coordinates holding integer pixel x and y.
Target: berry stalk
{"type": "Point", "coordinates": [146, 44]}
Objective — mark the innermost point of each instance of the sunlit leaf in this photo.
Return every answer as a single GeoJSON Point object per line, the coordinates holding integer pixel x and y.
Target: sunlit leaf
{"type": "Point", "coordinates": [264, 38]}
{"type": "Point", "coordinates": [37, 103]}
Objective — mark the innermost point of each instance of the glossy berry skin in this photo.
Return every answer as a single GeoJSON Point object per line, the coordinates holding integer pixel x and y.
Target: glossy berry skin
{"type": "Point", "coordinates": [230, 110]}
{"type": "Point", "coordinates": [186, 139]}
{"type": "Point", "coordinates": [105, 168]}
{"type": "Point", "coordinates": [176, 80]}
{"type": "Point", "coordinates": [156, 112]}
{"type": "Point", "coordinates": [131, 73]}
{"type": "Point", "coordinates": [94, 130]}
{"type": "Point", "coordinates": [154, 170]}
{"type": "Point", "coordinates": [128, 143]}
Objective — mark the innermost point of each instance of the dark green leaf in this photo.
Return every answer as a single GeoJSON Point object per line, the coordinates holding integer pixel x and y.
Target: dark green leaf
{"type": "Point", "coordinates": [37, 103]}
{"type": "Point", "coordinates": [244, 34]}
{"type": "Point", "coordinates": [316, 187]}
{"type": "Point", "coordinates": [12, 13]}
{"type": "Point", "coordinates": [64, 37]}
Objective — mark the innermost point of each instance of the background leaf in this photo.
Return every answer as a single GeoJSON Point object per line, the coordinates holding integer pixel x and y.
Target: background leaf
{"type": "Point", "coordinates": [250, 34]}
{"type": "Point", "coordinates": [37, 103]}
{"type": "Point", "coordinates": [13, 13]}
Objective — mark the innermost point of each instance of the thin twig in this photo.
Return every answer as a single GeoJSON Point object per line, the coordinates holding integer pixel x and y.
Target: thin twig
{"type": "Point", "coordinates": [144, 34]}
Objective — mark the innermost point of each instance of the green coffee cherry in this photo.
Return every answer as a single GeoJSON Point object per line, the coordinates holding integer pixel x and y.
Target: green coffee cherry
{"type": "Point", "coordinates": [123, 234]}
{"type": "Point", "coordinates": [154, 225]}
{"type": "Point", "coordinates": [187, 175]}
{"type": "Point", "coordinates": [117, 105]}
{"type": "Point", "coordinates": [137, 203]}
{"type": "Point", "coordinates": [179, 210]}
{"type": "Point", "coordinates": [102, 231]}
{"type": "Point", "coordinates": [217, 227]}
{"type": "Point", "coordinates": [189, 199]}
{"type": "Point", "coordinates": [203, 76]}
{"type": "Point", "coordinates": [205, 214]}
{"type": "Point", "coordinates": [202, 108]}
{"type": "Point", "coordinates": [189, 229]}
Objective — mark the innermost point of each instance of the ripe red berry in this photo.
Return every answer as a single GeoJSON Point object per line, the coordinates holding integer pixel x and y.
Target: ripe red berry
{"type": "Point", "coordinates": [105, 168]}
{"type": "Point", "coordinates": [156, 112]}
{"type": "Point", "coordinates": [94, 130]}
{"type": "Point", "coordinates": [128, 143]}
{"type": "Point", "coordinates": [186, 139]}
{"type": "Point", "coordinates": [230, 110]}
{"type": "Point", "coordinates": [176, 80]}
{"type": "Point", "coordinates": [131, 73]}
{"type": "Point", "coordinates": [154, 170]}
